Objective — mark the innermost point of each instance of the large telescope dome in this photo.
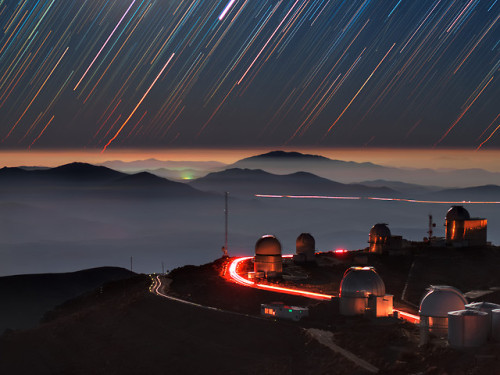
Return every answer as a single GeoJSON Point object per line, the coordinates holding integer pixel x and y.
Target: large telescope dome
{"type": "Point", "coordinates": [268, 245]}
{"type": "Point", "coordinates": [361, 280]}
{"type": "Point", "coordinates": [457, 213]}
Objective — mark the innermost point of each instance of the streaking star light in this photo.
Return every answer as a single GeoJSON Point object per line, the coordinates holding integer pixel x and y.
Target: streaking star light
{"type": "Point", "coordinates": [226, 9]}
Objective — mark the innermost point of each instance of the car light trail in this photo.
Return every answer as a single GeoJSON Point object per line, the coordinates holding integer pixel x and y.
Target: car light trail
{"type": "Point", "coordinates": [412, 318]}
{"type": "Point", "coordinates": [242, 281]}
{"type": "Point", "coordinates": [233, 273]}
{"type": "Point", "coordinates": [372, 198]}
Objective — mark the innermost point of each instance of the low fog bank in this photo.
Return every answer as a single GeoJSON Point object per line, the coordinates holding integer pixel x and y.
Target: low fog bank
{"type": "Point", "coordinates": [51, 233]}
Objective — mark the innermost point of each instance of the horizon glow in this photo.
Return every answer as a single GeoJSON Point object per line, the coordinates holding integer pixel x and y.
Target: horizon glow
{"type": "Point", "coordinates": [399, 158]}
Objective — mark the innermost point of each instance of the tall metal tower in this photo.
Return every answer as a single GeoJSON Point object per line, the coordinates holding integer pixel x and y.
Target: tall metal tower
{"type": "Point", "coordinates": [431, 225]}
{"type": "Point", "coordinates": [226, 213]}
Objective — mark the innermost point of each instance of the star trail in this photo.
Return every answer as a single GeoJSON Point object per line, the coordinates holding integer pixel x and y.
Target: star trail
{"type": "Point", "coordinates": [156, 73]}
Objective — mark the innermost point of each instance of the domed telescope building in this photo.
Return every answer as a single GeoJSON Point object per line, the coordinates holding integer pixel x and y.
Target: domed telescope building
{"type": "Point", "coordinates": [362, 291]}
{"type": "Point", "coordinates": [462, 230]}
{"type": "Point", "coordinates": [434, 309]}
{"type": "Point", "coordinates": [268, 256]}
{"type": "Point", "coordinates": [305, 248]}
{"type": "Point", "coordinates": [379, 238]}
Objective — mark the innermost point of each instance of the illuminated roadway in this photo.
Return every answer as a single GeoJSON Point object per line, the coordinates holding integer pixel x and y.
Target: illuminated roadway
{"type": "Point", "coordinates": [233, 274]}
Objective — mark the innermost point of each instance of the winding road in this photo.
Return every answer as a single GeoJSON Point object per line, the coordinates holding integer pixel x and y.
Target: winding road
{"type": "Point", "coordinates": [237, 278]}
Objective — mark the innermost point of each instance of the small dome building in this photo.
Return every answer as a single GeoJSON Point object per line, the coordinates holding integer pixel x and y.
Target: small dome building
{"type": "Point", "coordinates": [361, 290]}
{"type": "Point", "coordinates": [434, 308]}
{"type": "Point", "coordinates": [379, 238]}
{"type": "Point", "coordinates": [305, 248]}
{"type": "Point", "coordinates": [268, 256]}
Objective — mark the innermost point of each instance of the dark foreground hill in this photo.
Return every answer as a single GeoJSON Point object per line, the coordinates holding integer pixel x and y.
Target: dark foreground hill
{"type": "Point", "coordinates": [126, 330]}
{"type": "Point", "coordinates": [26, 298]}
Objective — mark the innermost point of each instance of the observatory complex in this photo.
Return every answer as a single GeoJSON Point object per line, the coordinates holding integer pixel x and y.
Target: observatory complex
{"type": "Point", "coordinates": [460, 231]}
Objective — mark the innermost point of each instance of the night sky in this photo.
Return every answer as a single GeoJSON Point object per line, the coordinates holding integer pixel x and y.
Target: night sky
{"type": "Point", "coordinates": [107, 74]}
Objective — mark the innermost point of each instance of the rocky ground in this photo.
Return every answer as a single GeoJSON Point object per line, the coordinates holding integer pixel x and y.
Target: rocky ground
{"type": "Point", "coordinates": [122, 328]}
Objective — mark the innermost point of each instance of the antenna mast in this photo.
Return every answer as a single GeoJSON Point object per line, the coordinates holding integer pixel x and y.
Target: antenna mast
{"type": "Point", "coordinates": [226, 212]}
{"type": "Point", "coordinates": [431, 225]}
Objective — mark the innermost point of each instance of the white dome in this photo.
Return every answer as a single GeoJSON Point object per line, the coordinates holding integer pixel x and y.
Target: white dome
{"type": "Point", "coordinates": [440, 300]}
{"type": "Point", "coordinates": [361, 280]}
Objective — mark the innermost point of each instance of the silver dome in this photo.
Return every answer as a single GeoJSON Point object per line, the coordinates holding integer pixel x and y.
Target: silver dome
{"type": "Point", "coordinates": [440, 300]}
{"type": "Point", "coordinates": [358, 280]}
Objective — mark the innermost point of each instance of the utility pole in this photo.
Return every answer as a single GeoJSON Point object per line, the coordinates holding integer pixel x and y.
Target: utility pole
{"type": "Point", "coordinates": [226, 213]}
{"type": "Point", "coordinates": [131, 264]}
{"type": "Point", "coordinates": [431, 225]}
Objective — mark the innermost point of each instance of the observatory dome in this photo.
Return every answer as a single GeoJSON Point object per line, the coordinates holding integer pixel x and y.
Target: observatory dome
{"type": "Point", "coordinates": [457, 213]}
{"type": "Point", "coordinates": [305, 243]}
{"type": "Point", "coordinates": [440, 300]}
{"type": "Point", "coordinates": [380, 230]}
{"type": "Point", "coordinates": [361, 280]}
{"type": "Point", "coordinates": [268, 245]}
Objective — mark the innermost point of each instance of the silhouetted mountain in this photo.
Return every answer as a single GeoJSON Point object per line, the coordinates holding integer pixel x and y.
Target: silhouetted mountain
{"type": "Point", "coordinates": [149, 164]}
{"type": "Point", "coordinates": [401, 187]}
{"type": "Point", "coordinates": [257, 181]}
{"type": "Point", "coordinates": [476, 193]}
{"type": "Point", "coordinates": [25, 298]}
{"type": "Point", "coordinates": [92, 179]}
{"type": "Point", "coordinates": [149, 183]}
{"type": "Point", "coordinates": [82, 172]}
{"type": "Point", "coordinates": [74, 174]}
{"type": "Point", "coordinates": [284, 157]}
{"type": "Point", "coordinates": [184, 174]}
{"type": "Point", "coordinates": [33, 168]}
{"type": "Point", "coordinates": [352, 172]}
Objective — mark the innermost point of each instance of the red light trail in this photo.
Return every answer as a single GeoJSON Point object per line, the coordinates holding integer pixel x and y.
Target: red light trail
{"type": "Point", "coordinates": [233, 273]}
{"type": "Point", "coordinates": [371, 198]}
{"type": "Point", "coordinates": [242, 281]}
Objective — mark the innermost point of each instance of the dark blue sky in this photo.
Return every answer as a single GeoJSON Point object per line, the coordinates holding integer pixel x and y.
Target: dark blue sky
{"type": "Point", "coordinates": [170, 73]}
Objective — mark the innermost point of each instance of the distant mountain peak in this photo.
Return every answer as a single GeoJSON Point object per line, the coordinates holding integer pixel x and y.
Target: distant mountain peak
{"type": "Point", "coordinates": [288, 154]}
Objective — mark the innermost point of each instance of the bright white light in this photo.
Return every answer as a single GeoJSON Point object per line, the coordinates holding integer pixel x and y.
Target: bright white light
{"type": "Point", "coordinates": [226, 9]}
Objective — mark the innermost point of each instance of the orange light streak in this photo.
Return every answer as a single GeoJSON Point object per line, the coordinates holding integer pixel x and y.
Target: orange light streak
{"type": "Point", "coordinates": [38, 92]}
{"type": "Point", "coordinates": [462, 114]}
{"type": "Point", "coordinates": [475, 45]}
{"type": "Point", "coordinates": [138, 104]}
{"type": "Point", "coordinates": [488, 127]}
{"type": "Point", "coordinates": [43, 130]}
{"type": "Point", "coordinates": [355, 96]}
{"type": "Point", "coordinates": [487, 139]}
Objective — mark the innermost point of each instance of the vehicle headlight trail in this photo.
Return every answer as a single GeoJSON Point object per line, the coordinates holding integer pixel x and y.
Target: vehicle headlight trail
{"type": "Point", "coordinates": [233, 274]}
{"type": "Point", "coordinates": [372, 198]}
